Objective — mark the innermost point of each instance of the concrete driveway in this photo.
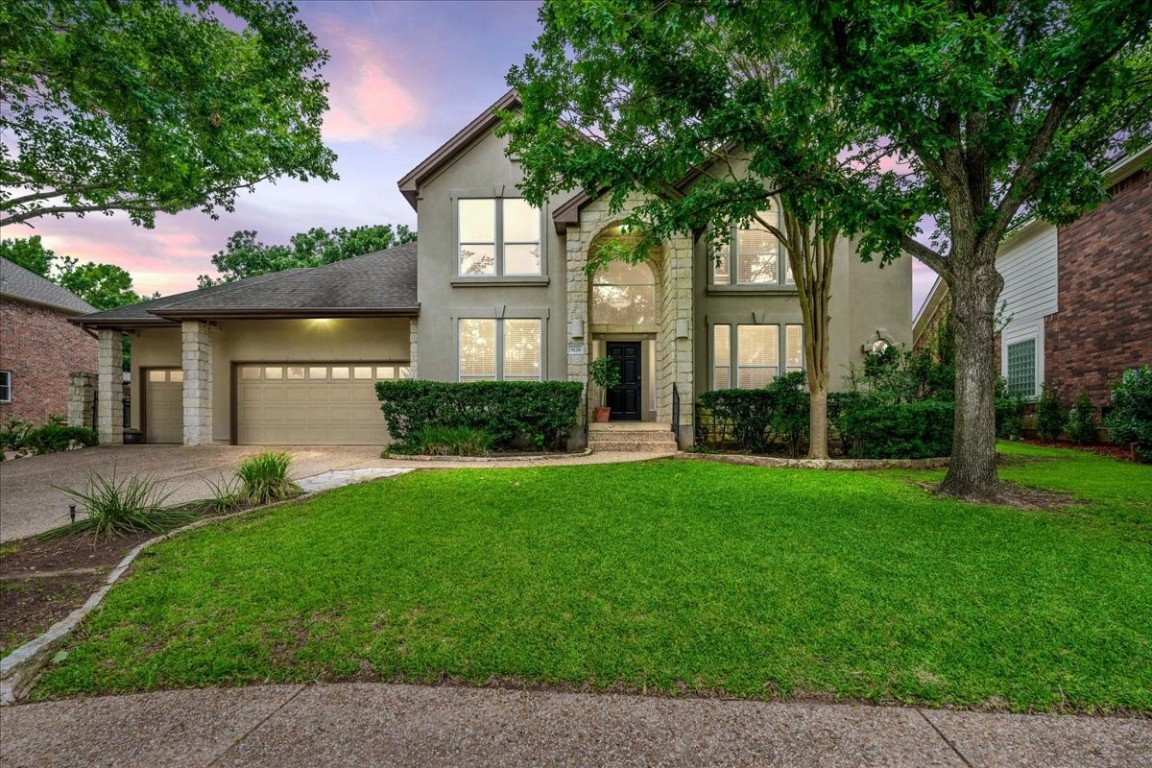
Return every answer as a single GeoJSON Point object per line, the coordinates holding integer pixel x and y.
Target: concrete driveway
{"type": "Point", "coordinates": [30, 505]}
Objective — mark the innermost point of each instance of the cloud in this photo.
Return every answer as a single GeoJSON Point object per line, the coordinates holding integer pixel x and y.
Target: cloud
{"type": "Point", "coordinates": [367, 101]}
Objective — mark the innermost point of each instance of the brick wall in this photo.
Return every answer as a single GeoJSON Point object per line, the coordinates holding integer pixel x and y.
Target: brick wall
{"type": "Point", "coordinates": [1105, 294]}
{"type": "Point", "coordinates": [41, 349]}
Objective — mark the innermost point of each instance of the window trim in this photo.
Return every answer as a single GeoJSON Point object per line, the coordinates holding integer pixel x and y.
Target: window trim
{"type": "Point", "coordinates": [6, 387]}
{"type": "Point", "coordinates": [498, 275]}
{"type": "Point", "coordinates": [1013, 336]}
{"type": "Point", "coordinates": [733, 284]}
{"type": "Point", "coordinates": [499, 350]}
{"type": "Point", "coordinates": [734, 366]}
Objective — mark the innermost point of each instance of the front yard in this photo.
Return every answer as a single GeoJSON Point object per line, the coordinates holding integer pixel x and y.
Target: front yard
{"type": "Point", "coordinates": [669, 577]}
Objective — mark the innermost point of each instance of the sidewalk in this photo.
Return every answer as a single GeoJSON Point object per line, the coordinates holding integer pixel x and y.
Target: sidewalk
{"type": "Point", "coordinates": [400, 725]}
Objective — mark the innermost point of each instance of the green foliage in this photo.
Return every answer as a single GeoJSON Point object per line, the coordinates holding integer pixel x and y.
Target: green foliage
{"type": "Point", "coordinates": [54, 437]}
{"type": "Point", "coordinates": [1009, 412]}
{"type": "Point", "coordinates": [757, 420]}
{"type": "Point", "coordinates": [536, 413]}
{"type": "Point", "coordinates": [13, 434]}
{"type": "Point", "coordinates": [872, 429]}
{"type": "Point", "coordinates": [684, 577]}
{"type": "Point", "coordinates": [104, 286]}
{"type": "Point", "coordinates": [451, 441]}
{"type": "Point", "coordinates": [264, 478]}
{"type": "Point", "coordinates": [1050, 415]}
{"type": "Point", "coordinates": [245, 256]}
{"type": "Point", "coordinates": [1130, 420]}
{"type": "Point", "coordinates": [904, 376]}
{"type": "Point", "coordinates": [605, 373]}
{"type": "Point", "coordinates": [226, 496]}
{"type": "Point", "coordinates": [119, 506]}
{"type": "Point", "coordinates": [1082, 421]}
{"type": "Point", "coordinates": [155, 105]}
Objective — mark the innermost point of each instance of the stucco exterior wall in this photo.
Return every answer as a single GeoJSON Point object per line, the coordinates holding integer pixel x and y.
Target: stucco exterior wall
{"type": "Point", "coordinates": [269, 341]}
{"type": "Point", "coordinates": [41, 348]}
{"type": "Point", "coordinates": [481, 171]}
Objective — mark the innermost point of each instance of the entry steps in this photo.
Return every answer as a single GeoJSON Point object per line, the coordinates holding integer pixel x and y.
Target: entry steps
{"type": "Point", "coordinates": [631, 437]}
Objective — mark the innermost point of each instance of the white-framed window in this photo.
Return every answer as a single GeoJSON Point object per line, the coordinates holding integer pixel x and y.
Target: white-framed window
{"type": "Point", "coordinates": [500, 350]}
{"type": "Point", "coordinates": [1021, 367]}
{"type": "Point", "coordinates": [497, 237]}
{"type": "Point", "coordinates": [751, 356]}
{"type": "Point", "coordinates": [753, 256]}
{"type": "Point", "coordinates": [5, 386]}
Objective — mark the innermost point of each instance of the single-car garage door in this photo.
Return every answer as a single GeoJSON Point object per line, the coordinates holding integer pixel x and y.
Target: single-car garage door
{"type": "Point", "coordinates": [164, 406]}
{"type": "Point", "coordinates": [312, 403]}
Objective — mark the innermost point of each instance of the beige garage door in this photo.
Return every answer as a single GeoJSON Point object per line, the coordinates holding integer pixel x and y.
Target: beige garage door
{"type": "Point", "coordinates": [164, 406]}
{"type": "Point", "coordinates": [312, 403]}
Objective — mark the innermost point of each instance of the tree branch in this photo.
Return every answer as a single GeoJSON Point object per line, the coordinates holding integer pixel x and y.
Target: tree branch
{"type": "Point", "coordinates": [939, 264]}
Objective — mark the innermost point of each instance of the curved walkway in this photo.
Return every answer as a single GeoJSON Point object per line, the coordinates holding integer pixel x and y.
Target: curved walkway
{"type": "Point", "coordinates": [352, 725]}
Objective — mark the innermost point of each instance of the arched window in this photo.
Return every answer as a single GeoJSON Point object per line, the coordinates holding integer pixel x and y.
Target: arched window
{"type": "Point", "coordinates": [624, 294]}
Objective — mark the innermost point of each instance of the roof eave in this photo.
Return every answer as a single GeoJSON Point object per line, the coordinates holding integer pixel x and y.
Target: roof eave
{"type": "Point", "coordinates": [409, 185]}
{"type": "Point", "coordinates": [288, 313]}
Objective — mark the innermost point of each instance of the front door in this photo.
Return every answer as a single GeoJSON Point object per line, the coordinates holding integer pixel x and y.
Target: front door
{"type": "Point", "coordinates": [624, 399]}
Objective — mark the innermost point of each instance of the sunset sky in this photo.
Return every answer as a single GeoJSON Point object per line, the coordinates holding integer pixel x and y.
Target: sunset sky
{"type": "Point", "coordinates": [405, 76]}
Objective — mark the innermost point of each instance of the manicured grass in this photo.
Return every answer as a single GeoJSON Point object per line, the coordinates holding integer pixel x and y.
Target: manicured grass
{"type": "Point", "coordinates": [670, 576]}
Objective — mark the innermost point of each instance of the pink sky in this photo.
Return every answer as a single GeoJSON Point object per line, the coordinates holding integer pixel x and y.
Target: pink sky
{"type": "Point", "coordinates": [404, 77]}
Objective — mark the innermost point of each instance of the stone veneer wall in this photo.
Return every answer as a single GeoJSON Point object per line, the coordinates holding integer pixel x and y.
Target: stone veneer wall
{"type": "Point", "coordinates": [197, 360]}
{"type": "Point", "coordinates": [674, 281]}
{"type": "Point", "coordinates": [41, 349]}
{"type": "Point", "coordinates": [81, 395]}
{"type": "Point", "coordinates": [110, 388]}
{"type": "Point", "coordinates": [413, 335]}
{"type": "Point", "coordinates": [1104, 325]}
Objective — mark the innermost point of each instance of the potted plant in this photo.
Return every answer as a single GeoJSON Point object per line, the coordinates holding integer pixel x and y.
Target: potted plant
{"type": "Point", "coordinates": [606, 373]}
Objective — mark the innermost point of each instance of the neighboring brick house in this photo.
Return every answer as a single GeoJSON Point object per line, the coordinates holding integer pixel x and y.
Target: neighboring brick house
{"type": "Point", "coordinates": [39, 348]}
{"type": "Point", "coordinates": [1077, 299]}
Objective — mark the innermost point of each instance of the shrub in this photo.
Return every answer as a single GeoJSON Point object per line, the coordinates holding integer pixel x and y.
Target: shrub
{"type": "Point", "coordinates": [872, 428]}
{"type": "Point", "coordinates": [537, 413]}
{"type": "Point", "coordinates": [1082, 421]}
{"type": "Point", "coordinates": [226, 496]}
{"type": "Point", "coordinates": [121, 506]}
{"type": "Point", "coordinates": [55, 436]}
{"type": "Point", "coordinates": [758, 419]}
{"type": "Point", "coordinates": [264, 478]}
{"type": "Point", "coordinates": [12, 435]}
{"type": "Point", "coordinates": [1130, 420]}
{"type": "Point", "coordinates": [1050, 415]}
{"type": "Point", "coordinates": [452, 441]}
{"type": "Point", "coordinates": [1009, 412]}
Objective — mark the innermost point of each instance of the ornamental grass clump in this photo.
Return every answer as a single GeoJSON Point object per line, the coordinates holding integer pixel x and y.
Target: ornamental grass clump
{"type": "Point", "coordinates": [264, 478]}
{"type": "Point", "coordinates": [122, 506]}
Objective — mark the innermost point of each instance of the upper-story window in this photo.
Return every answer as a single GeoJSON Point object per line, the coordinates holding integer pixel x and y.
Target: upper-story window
{"type": "Point", "coordinates": [498, 237]}
{"type": "Point", "coordinates": [753, 256]}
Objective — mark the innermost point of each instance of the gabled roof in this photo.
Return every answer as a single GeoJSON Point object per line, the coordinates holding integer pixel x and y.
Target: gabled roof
{"type": "Point", "coordinates": [380, 284]}
{"type": "Point", "coordinates": [19, 284]}
{"type": "Point", "coordinates": [485, 121]}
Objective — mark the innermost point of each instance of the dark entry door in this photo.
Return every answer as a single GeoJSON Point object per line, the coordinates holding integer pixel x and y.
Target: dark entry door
{"type": "Point", "coordinates": [624, 399]}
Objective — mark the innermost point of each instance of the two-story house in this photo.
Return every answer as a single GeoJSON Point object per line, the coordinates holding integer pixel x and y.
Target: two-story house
{"type": "Point", "coordinates": [493, 289]}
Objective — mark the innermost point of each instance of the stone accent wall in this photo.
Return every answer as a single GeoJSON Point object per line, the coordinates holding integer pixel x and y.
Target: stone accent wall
{"type": "Point", "coordinates": [41, 348]}
{"type": "Point", "coordinates": [413, 334]}
{"type": "Point", "coordinates": [1104, 325]}
{"type": "Point", "coordinates": [197, 342]}
{"type": "Point", "coordinates": [110, 388]}
{"type": "Point", "coordinates": [81, 397]}
{"type": "Point", "coordinates": [674, 302]}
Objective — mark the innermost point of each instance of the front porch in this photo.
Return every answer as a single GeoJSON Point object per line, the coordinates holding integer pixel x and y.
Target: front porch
{"type": "Point", "coordinates": [632, 437]}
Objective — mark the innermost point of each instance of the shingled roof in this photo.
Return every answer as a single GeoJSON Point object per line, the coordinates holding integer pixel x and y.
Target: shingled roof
{"type": "Point", "coordinates": [380, 284]}
{"type": "Point", "coordinates": [19, 284]}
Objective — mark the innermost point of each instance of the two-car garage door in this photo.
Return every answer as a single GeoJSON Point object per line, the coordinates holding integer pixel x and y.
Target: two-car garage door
{"type": "Point", "coordinates": [312, 403]}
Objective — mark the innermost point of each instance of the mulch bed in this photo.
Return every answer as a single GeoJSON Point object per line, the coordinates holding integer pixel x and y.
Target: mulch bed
{"type": "Point", "coordinates": [44, 581]}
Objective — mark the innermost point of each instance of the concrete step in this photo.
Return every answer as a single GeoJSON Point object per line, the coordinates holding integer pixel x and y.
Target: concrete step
{"type": "Point", "coordinates": [632, 440]}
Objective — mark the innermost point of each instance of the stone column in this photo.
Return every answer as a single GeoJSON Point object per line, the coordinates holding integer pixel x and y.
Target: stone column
{"type": "Point", "coordinates": [81, 394]}
{"type": "Point", "coordinates": [413, 334]}
{"type": "Point", "coordinates": [674, 353]}
{"type": "Point", "coordinates": [577, 303]}
{"type": "Point", "coordinates": [197, 338]}
{"type": "Point", "coordinates": [110, 388]}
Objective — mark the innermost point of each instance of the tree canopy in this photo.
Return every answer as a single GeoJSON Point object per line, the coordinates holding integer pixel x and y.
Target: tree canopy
{"type": "Point", "coordinates": [154, 105]}
{"type": "Point", "coordinates": [104, 286]}
{"type": "Point", "coordinates": [246, 256]}
{"type": "Point", "coordinates": [973, 114]}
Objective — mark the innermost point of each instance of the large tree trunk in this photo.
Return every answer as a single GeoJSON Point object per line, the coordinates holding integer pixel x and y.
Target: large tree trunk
{"type": "Point", "coordinates": [975, 289]}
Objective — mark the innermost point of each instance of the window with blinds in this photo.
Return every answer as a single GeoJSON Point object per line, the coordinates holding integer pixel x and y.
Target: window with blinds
{"type": "Point", "coordinates": [494, 350]}
{"type": "Point", "coordinates": [498, 237]}
{"type": "Point", "coordinates": [756, 253]}
{"type": "Point", "coordinates": [750, 356]}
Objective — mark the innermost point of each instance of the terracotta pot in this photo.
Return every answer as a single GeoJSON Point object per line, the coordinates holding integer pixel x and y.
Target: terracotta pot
{"type": "Point", "coordinates": [602, 414]}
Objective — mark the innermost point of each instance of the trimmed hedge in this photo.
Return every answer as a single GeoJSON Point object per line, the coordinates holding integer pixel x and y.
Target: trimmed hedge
{"type": "Point", "coordinates": [875, 429]}
{"type": "Point", "coordinates": [758, 419]}
{"type": "Point", "coordinates": [536, 413]}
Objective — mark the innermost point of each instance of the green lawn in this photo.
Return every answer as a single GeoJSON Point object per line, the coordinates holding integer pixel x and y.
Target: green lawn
{"type": "Point", "coordinates": [670, 576]}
